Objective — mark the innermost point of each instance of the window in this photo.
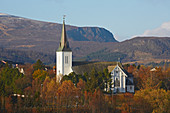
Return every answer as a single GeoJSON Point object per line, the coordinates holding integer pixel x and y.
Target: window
{"type": "Point", "coordinates": [117, 82]}
{"type": "Point", "coordinates": [130, 87]}
{"type": "Point", "coordinates": [59, 60]}
{"type": "Point", "coordinates": [66, 59]}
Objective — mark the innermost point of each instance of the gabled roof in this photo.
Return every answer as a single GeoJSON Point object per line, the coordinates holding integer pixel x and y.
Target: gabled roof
{"type": "Point", "coordinates": [128, 82]}
{"type": "Point", "coordinates": [128, 74]}
{"type": "Point", "coordinates": [111, 68]}
{"type": "Point", "coordinates": [154, 69]}
{"type": "Point", "coordinates": [64, 45]}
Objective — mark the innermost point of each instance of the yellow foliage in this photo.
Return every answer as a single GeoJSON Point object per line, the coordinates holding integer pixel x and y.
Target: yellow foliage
{"type": "Point", "coordinates": [39, 74]}
{"type": "Point", "coordinates": [157, 98]}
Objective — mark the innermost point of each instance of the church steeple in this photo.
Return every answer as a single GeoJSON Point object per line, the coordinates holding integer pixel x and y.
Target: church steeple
{"type": "Point", "coordinates": [64, 45]}
{"type": "Point", "coordinates": [63, 56]}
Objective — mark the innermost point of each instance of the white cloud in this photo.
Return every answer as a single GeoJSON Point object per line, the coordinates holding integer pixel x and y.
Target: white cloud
{"type": "Point", "coordinates": [162, 31]}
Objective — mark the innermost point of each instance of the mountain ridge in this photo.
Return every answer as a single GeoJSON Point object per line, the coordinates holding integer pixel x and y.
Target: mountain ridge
{"type": "Point", "coordinates": [25, 37]}
{"type": "Point", "coordinates": [15, 23]}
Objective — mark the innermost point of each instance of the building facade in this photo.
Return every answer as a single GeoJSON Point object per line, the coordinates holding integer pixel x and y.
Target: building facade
{"type": "Point", "coordinates": [121, 80]}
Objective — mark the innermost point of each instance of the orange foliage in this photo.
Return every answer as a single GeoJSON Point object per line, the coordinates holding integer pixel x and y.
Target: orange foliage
{"type": "Point", "coordinates": [8, 104]}
{"type": "Point", "coordinates": [67, 94]}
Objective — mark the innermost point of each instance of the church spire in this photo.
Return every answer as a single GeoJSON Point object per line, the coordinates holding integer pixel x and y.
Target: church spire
{"type": "Point", "coordinates": [64, 45]}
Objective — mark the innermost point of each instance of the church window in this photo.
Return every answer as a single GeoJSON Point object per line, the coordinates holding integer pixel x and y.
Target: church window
{"type": "Point", "coordinates": [116, 71]}
{"type": "Point", "coordinates": [59, 60]}
{"type": "Point", "coordinates": [130, 87]}
{"type": "Point", "coordinates": [117, 82]}
{"type": "Point", "coordinates": [66, 59]}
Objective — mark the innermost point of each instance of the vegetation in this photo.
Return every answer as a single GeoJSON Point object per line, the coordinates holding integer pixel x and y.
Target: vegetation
{"type": "Point", "coordinates": [25, 56]}
{"type": "Point", "coordinates": [82, 67]}
{"type": "Point", "coordinates": [38, 91]}
{"type": "Point", "coordinates": [105, 55]}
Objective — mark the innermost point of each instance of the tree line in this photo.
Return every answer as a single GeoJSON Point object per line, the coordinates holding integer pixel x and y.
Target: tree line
{"type": "Point", "coordinates": [38, 91]}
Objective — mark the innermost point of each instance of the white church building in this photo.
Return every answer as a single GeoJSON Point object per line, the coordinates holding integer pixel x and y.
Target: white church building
{"type": "Point", "coordinates": [121, 80]}
{"type": "Point", "coordinates": [63, 56]}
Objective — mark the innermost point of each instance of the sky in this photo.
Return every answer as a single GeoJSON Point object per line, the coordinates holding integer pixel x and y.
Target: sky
{"type": "Point", "coordinates": [124, 18]}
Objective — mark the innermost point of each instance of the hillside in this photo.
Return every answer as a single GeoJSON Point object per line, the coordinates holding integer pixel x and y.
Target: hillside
{"type": "Point", "coordinates": [26, 40]}
{"type": "Point", "coordinates": [136, 49]}
{"type": "Point", "coordinates": [25, 56]}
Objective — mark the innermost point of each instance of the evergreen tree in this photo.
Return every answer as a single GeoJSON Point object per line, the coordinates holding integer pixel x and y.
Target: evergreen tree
{"type": "Point", "coordinates": [39, 65]}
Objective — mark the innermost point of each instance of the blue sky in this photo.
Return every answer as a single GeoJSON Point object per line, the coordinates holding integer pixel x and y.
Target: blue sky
{"type": "Point", "coordinates": [124, 18]}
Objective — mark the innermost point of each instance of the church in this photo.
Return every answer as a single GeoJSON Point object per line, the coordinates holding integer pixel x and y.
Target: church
{"type": "Point", "coordinates": [63, 56]}
{"type": "Point", "coordinates": [121, 80]}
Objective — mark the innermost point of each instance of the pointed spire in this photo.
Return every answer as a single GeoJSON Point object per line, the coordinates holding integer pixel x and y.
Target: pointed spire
{"type": "Point", "coordinates": [64, 45]}
{"type": "Point", "coordinates": [119, 63]}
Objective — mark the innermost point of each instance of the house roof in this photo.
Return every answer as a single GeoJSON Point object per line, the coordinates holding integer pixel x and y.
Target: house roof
{"type": "Point", "coordinates": [128, 74]}
{"type": "Point", "coordinates": [64, 45]}
{"type": "Point", "coordinates": [154, 69]}
{"type": "Point", "coordinates": [110, 68]}
{"type": "Point", "coordinates": [128, 82]}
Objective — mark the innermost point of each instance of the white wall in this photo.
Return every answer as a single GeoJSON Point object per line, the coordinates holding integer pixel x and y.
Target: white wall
{"type": "Point", "coordinates": [130, 88]}
{"type": "Point", "coordinates": [121, 77]}
{"type": "Point", "coordinates": [61, 65]}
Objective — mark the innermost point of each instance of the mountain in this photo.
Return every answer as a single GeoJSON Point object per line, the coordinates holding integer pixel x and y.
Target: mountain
{"type": "Point", "coordinates": [26, 40]}
{"type": "Point", "coordinates": [145, 49]}
{"type": "Point", "coordinates": [21, 28]}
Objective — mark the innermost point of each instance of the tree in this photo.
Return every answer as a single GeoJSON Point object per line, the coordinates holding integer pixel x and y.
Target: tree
{"type": "Point", "coordinates": [97, 102]}
{"type": "Point", "coordinates": [152, 100]}
{"type": "Point", "coordinates": [50, 92]}
{"type": "Point", "coordinates": [7, 82]}
{"type": "Point", "coordinates": [81, 88]}
{"type": "Point", "coordinates": [107, 78]}
{"type": "Point", "coordinates": [39, 65]}
{"type": "Point", "coordinates": [40, 75]}
{"type": "Point", "coordinates": [67, 94]}
{"type": "Point", "coordinates": [92, 81]}
{"type": "Point", "coordinates": [73, 77]}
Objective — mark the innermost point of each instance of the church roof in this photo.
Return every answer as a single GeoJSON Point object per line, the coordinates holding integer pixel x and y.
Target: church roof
{"type": "Point", "coordinates": [128, 82]}
{"type": "Point", "coordinates": [64, 45]}
{"type": "Point", "coordinates": [110, 69]}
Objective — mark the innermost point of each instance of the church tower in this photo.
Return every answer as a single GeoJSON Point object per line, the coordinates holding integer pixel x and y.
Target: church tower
{"type": "Point", "coordinates": [63, 56]}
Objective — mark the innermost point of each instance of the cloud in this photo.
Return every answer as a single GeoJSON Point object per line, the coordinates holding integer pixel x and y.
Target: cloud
{"type": "Point", "coordinates": [162, 31]}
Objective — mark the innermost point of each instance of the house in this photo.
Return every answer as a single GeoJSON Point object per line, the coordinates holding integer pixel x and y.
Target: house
{"type": "Point", "coordinates": [20, 68]}
{"type": "Point", "coordinates": [14, 65]}
{"type": "Point", "coordinates": [121, 80]}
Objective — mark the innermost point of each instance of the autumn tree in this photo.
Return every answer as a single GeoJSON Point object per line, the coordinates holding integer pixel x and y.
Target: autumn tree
{"type": "Point", "coordinates": [40, 75]}
{"type": "Point", "coordinates": [67, 94]}
{"type": "Point", "coordinates": [73, 77]}
{"type": "Point", "coordinates": [152, 100]}
{"type": "Point", "coordinates": [80, 89]}
{"type": "Point", "coordinates": [49, 91]}
{"type": "Point", "coordinates": [126, 103]}
{"type": "Point", "coordinates": [97, 102]}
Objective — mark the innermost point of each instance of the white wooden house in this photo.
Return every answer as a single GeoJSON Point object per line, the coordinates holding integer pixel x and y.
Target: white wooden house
{"type": "Point", "coordinates": [121, 80]}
